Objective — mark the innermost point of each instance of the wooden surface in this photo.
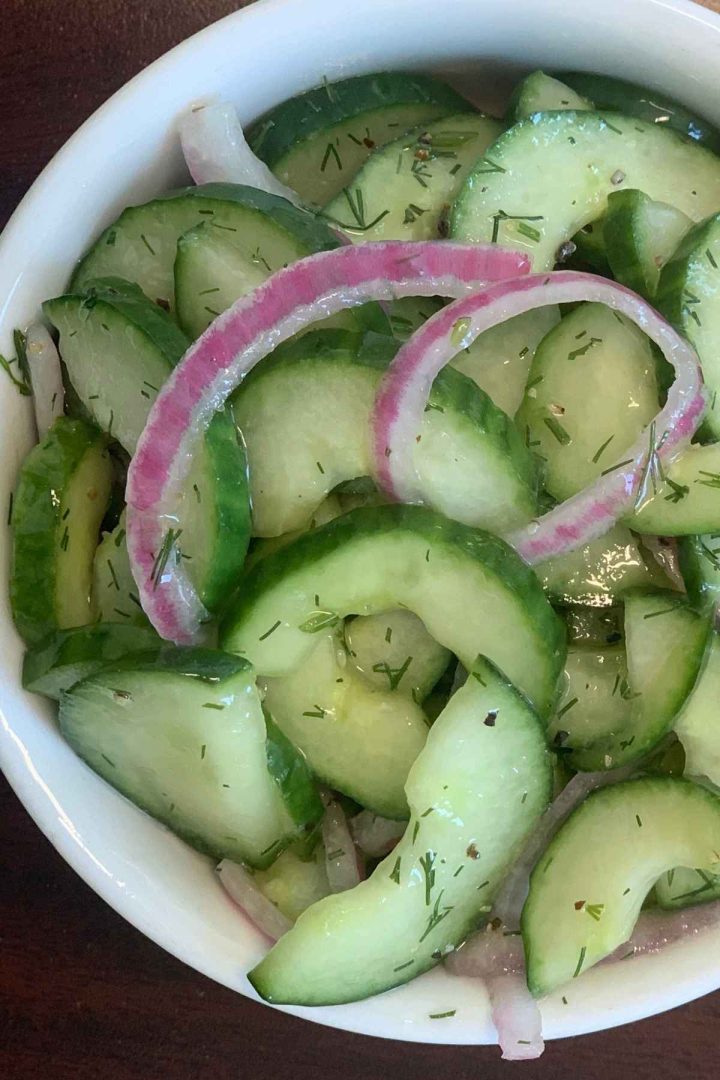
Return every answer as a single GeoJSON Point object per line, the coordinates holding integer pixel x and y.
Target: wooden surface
{"type": "Point", "coordinates": [82, 994]}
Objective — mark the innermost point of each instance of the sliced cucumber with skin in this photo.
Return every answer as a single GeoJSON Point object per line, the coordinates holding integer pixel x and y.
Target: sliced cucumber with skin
{"type": "Point", "coordinates": [358, 739]}
{"type": "Point", "coordinates": [597, 574]}
{"type": "Point", "coordinates": [60, 500]}
{"type": "Point", "coordinates": [686, 501]}
{"type": "Point", "coordinates": [141, 245]}
{"type": "Point", "coordinates": [665, 641]}
{"type": "Point", "coordinates": [469, 588]}
{"type": "Point", "coordinates": [591, 392]}
{"type": "Point", "coordinates": [65, 657]}
{"type": "Point", "coordinates": [596, 701]}
{"type": "Point", "coordinates": [393, 651]}
{"type": "Point", "coordinates": [404, 189]}
{"type": "Point", "coordinates": [699, 559]}
{"type": "Point", "coordinates": [697, 726]}
{"type": "Point", "coordinates": [539, 92]}
{"type": "Point", "coordinates": [689, 296]}
{"type": "Point", "coordinates": [305, 419]}
{"type": "Point", "coordinates": [475, 793]}
{"type": "Point", "coordinates": [587, 890]}
{"type": "Point", "coordinates": [317, 141]}
{"type": "Point", "coordinates": [682, 887]}
{"type": "Point", "coordinates": [514, 197]}
{"type": "Point", "coordinates": [114, 588]}
{"type": "Point", "coordinates": [182, 735]}
{"type": "Point", "coordinates": [652, 106]}
{"type": "Point", "coordinates": [640, 236]}
{"type": "Point", "coordinates": [293, 884]}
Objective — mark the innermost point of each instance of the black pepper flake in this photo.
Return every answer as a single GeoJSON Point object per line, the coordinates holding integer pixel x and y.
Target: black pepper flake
{"type": "Point", "coordinates": [490, 719]}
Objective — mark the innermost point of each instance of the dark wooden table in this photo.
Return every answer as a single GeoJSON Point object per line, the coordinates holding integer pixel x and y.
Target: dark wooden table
{"type": "Point", "coordinates": [82, 994]}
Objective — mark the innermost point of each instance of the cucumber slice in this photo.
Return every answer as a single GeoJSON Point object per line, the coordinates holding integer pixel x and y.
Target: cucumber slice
{"type": "Point", "coordinates": [119, 348]}
{"type": "Point", "coordinates": [597, 699]}
{"type": "Point", "coordinates": [317, 141]}
{"type": "Point", "coordinates": [587, 890]}
{"type": "Point", "coordinates": [591, 392]}
{"type": "Point", "coordinates": [539, 92]}
{"type": "Point", "coordinates": [358, 739]}
{"type": "Point", "coordinates": [689, 295]}
{"type": "Point", "coordinates": [293, 884]}
{"type": "Point", "coordinates": [682, 887]}
{"type": "Point", "coordinates": [305, 419]}
{"type": "Point", "coordinates": [403, 190]}
{"type": "Point", "coordinates": [699, 558]}
{"type": "Point", "coordinates": [598, 573]}
{"type": "Point", "coordinates": [650, 105]}
{"type": "Point", "coordinates": [475, 794]}
{"type": "Point", "coordinates": [640, 236]}
{"type": "Point", "coordinates": [665, 642]}
{"type": "Point", "coordinates": [596, 627]}
{"type": "Point", "coordinates": [696, 727]}
{"type": "Point", "coordinates": [685, 501]}
{"type": "Point", "coordinates": [469, 588]}
{"type": "Point", "coordinates": [61, 497]}
{"type": "Point", "coordinates": [182, 735]}
{"type": "Point", "coordinates": [141, 245]}
{"type": "Point", "coordinates": [393, 651]}
{"type": "Point", "coordinates": [114, 589]}
{"type": "Point", "coordinates": [65, 657]}
{"type": "Point", "coordinates": [552, 173]}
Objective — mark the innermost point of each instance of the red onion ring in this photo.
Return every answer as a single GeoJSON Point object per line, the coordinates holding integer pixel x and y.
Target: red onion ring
{"type": "Point", "coordinates": [241, 888]}
{"type": "Point", "coordinates": [45, 377]}
{"type": "Point", "coordinates": [344, 867]}
{"type": "Point", "coordinates": [311, 289]}
{"type": "Point", "coordinates": [404, 391]}
{"type": "Point", "coordinates": [516, 1017]}
{"type": "Point", "coordinates": [374, 835]}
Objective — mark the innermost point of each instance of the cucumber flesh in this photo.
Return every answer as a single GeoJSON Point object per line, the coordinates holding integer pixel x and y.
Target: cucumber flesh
{"type": "Point", "coordinates": [316, 142]}
{"type": "Point", "coordinates": [699, 559]}
{"type": "Point", "coordinates": [293, 884]}
{"type": "Point", "coordinates": [587, 890]}
{"type": "Point", "coordinates": [141, 245]}
{"type": "Point", "coordinates": [596, 700]}
{"type": "Point", "coordinates": [682, 887]}
{"type": "Point", "coordinates": [393, 651]}
{"type": "Point", "coordinates": [696, 726]}
{"type": "Point", "coordinates": [404, 189]}
{"type": "Point", "coordinates": [475, 793]}
{"type": "Point", "coordinates": [305, 420]}
{"type": "Point", "coordinates": [114, 589]}
{"type": "Point", "coordinates": [640, 236]}
{"type": "Point", "coordinates": [358, 739]}
{"type": "Point", "coordinates": [665, 642]}
{"type": "Point", "coordinates": [65, 657]}
{"type": "Point", "coordinates": [685, 502]}
{"type": "Point", "coordinates": [470, 589]}
{"type": "Point", "coordinates": [539, 92]}
{"type": "Point", "coordinates": [61, 498]}
{"type": "Point", "coordinates": [549, 175]}
{"type": "Point", "coordinates": [595, 627]}
{"type": "Point", "coordinates": [590, 394]}
{"type": "Point", "coordinates": [182, 735]}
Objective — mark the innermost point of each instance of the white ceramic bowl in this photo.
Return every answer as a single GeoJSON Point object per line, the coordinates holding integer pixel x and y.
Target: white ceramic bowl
{"type": "Point", "coordinates": [127, 152]}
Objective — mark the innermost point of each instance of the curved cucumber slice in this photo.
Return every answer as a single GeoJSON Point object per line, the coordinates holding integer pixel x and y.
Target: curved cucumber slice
{"type": "Point", "coordinates": [358, 739]}
{"type": "Point", "coordinates": [475, 793]}
{"type": "Point", "coordinates": [539, 92]}
{"type": "Point", "coordinates": [696, 727]}
{"type": "Point", "coordinates": [685, 501]}
{"type": "Point", "coordinates": [65, 657]}
{"type": "Point", "coordinates": [665, 642]}
{"type": "Point", "coordinates": [317, 141]}
{"type": "Point", "coordinates": [114, 589]}
{"type": "Point", "coordinates": [403, 190]}
{"type": "Point", "coordinates": [640, 235]}
{"type": "Point", "coordinates": [597, 574]}
{"type": "Point", "coordinates": [61, 497]}
{"type": "Point", "coordinates": [182, 735]}
{"type": "Point", "coordinates": [597, 699]}
{"type": "Point", "coordinates": [305, 421]}
{"type": "Point", "coordinates": [689, 295]}
{"type": "Point", "coordinates": [587, 890]}
{"type": "Point", "coordinates": [140, 246]}
{"type": "Point", "coordinates": [469, 588]}
{"type": "Point", "coordinates": [650, 105]}
{"type": "Point", "coordinates": [699, 558]}
{"type": "Point", "coordinates": [514, 197]}
{"type": "Point", "coordinates": [591, 392]}
{"type": "Point", "coordinates": [393, 651]}
{"type": "Point", "coordinates": [682, 887]}
{"type": "Point", "coordinates": [293, 884]}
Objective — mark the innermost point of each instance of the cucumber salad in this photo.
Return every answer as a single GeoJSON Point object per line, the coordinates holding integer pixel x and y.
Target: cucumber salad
{"type": "Point", "coordinates": [371, 543]}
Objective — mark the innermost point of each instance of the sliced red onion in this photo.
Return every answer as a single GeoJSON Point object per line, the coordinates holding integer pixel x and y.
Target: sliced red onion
{"type": "Point", "coordinates": [655, 930]}
{"type": "Point", "coordinates": [343, 865]}
{"type": "Point", "coordinates": [45, 376]}
{"type": "Point", "coordinates": [216, 151]}
{"type": "Point", "coordinates": [516, 1017]}
{"type": "Point", "coordinates": [309, 290]}
{"type": "Point", "coordinates": [376, 836]}
{"type": "Point", "coordinates": [404, 391]}
{"type": "Point", "coordinates": [490, 952]}
{"type": "Point", "coordinates": [664, 551]}
{"type": "Point", "coordinates": [240, 887]}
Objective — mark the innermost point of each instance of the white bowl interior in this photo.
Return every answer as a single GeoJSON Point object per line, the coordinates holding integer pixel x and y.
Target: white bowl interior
{"type": "Point", "coordinates": [127, 152]}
